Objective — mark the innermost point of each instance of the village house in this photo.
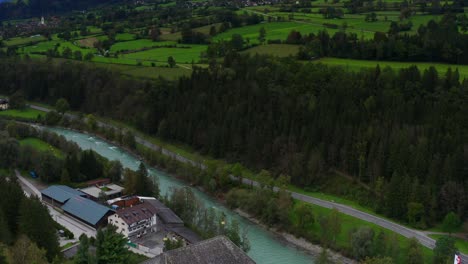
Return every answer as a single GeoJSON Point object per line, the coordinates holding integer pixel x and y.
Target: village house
{"type": "Point", "coordinates": [137, 220]}
{"type": "Point", "coordinates": [4, 104]}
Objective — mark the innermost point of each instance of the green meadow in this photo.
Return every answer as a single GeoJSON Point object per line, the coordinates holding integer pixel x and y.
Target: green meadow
{"type": "Point", "coordinates": [41, 146]}
{"type": "Point", "coordinates": [181, 54]}
{"type": "Point", "coordinates": [356, 65]}
{"type": "Point", "coordinates": [27, 113]}
{"type": "Point", "coordinates": [138, 45]}
{"type": "Point", "coordinates": [279, 50]}
{"type": "Point", "coordinates": [281, 30]}
{"type": "Point", "coordinates": [350, 224]}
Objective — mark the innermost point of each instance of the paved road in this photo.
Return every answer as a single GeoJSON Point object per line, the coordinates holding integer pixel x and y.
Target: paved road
{"type": "Point", "coordinates": [404, 231]}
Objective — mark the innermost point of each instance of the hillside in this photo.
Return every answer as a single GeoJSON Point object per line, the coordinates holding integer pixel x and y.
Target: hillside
{"type": "Point", "coordinates": [31, 8]}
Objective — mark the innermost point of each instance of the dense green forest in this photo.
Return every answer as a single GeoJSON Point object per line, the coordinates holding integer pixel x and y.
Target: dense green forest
{"type": "Point", "coordinates": [403, 133]}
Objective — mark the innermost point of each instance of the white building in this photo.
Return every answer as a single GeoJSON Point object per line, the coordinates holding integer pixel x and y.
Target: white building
{"type": "Point", "coordinates": [137, 220]}
{"type": "Point", "coordinates": [4, 104]}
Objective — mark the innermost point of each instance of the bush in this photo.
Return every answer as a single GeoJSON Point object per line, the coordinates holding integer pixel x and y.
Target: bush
{"type": "Point", "coordinates": [330, 25]}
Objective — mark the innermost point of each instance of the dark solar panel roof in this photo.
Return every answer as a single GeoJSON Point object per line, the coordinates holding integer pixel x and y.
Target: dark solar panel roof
{"type": "Point", "coordinates": [61, 193]}
{"type": "Point", "coordinates": [85, 209]}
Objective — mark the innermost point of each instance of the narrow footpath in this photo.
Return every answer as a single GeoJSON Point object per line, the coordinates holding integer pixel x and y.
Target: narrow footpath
{"type": "Point", "coordinates": [423, 238]}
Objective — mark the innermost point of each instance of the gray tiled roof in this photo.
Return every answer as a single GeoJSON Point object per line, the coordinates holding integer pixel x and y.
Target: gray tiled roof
{"type": "Point", "coordinates": [85, 209]}
{"type": "Point", "coordinates": [186, 233]}
{"type": "Point", "coordinates": [61, 193]}
{"type": "Point", "coordinates": [166, 214]}
{"type": "Point", "coordinates": [218, 250]}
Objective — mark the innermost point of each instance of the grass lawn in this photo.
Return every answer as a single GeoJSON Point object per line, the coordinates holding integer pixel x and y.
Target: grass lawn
{"type": "Point", "coordinates": [460, 244]}
{"type": "Point", "coordinates": [280, 50]}
{"type": "Point", "coordinates": [68, 245]}
{"type": "Point", "coordinates": [41, 146]}
{"type": "Point", "coordinates": [356, 65]}
{"type": "Point", "coordinates": [27, 113]}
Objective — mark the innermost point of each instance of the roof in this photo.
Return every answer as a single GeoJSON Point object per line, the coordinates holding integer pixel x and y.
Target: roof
{"type": "Point", "coordinates": [136, 213]}
{"type": "Point", "coordinates": [61, 193]}
{"type": "Point", "coordinates": [166, 214]}
{"type": "Point", "coordinates": [98, 182]}
{"type": "Point", "coordinates": [3, 101]}
{"type": "Point", "coordinates": [85, 209]}
{"type": "Point", "coordinates": [95, 191]}
{"type": "Point", "coordinates": [212, 251]}
{"type": "Point", "coordinates": [186, 233]}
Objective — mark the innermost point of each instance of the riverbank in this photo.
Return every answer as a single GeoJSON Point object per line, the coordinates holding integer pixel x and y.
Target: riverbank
{"type": "Point", "coordinates": [284, 237]}
{"type": "Point", "coordinates": [300, 243]}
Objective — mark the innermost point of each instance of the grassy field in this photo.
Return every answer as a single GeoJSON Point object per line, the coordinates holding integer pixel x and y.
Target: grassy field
{"type": "Point", "coordinates": [181, 54]}
{"type": "Point", "coordinates": [348, 224]}
{"type": "Point", "coordinates": [139, 44]}
{"type": "Point", "coordinates": [177, 35]}
{"type": "Point", "coordinates": [357, 23]}
{"type": "Point", "coordinates": [460, 244]}
{"type": "Point", "coordinates": [41, 146]}
{"type": "Point", "coordinates": [23, 40]}
{"type": "Point", "coordinates": [356, 65]}
{"type": "Point", "coordinates": [280, 31]}
{"type": "Point", "coordinates": [279, 50]}
{"type": "Point", "coordinates": [24, 114]}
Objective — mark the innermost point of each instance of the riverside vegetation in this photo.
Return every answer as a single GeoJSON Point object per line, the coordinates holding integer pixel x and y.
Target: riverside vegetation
{"type": "Point", "coordinates": [390, 141]}
{"type": "Point", "coordinates": [406, 197]}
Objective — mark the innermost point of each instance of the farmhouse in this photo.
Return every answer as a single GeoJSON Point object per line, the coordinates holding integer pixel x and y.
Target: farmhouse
{"type": "Point", "coordinates": [215, 250]}
{"type": "Point", "coordinates": [4, 104]}
{"type": "Point", "coordinates": [75, 204]}
{"type": "Point", "coordinates": [136, 220]}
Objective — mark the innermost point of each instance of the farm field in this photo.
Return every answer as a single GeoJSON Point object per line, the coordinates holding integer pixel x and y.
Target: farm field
{"type": "Point", "coordinates": [280, 31]}
{"type": "Point", "coordinates": [27, 113]}
{"type": "Point", "coordinates": [177, 35]}
{"type": "Point", "coordinates": [24, 40]}
{"type": "Point", "coordinates": [356, 65]}
{"type": "Point", "coordinates": [41, 146]}
{"type": "Point", "coordinates": [139, 44]}
{"type": "Point", "coordinates": [279, 50]}
{"type": "Point", "coordinates": [181, 54]}
{"type": "Point", "coordinates": [148, 72]}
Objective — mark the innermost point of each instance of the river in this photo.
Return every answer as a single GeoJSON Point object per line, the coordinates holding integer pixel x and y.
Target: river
{"type": "Point", "coordinates": [266, 247]}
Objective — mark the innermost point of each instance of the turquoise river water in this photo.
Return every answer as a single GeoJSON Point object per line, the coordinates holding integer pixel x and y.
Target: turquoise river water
{"type": "Point", "coordinates": [265, 246]}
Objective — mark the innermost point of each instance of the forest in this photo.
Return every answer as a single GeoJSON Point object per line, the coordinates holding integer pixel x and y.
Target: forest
{"type": "Point", "coordinates": [402, 133]}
